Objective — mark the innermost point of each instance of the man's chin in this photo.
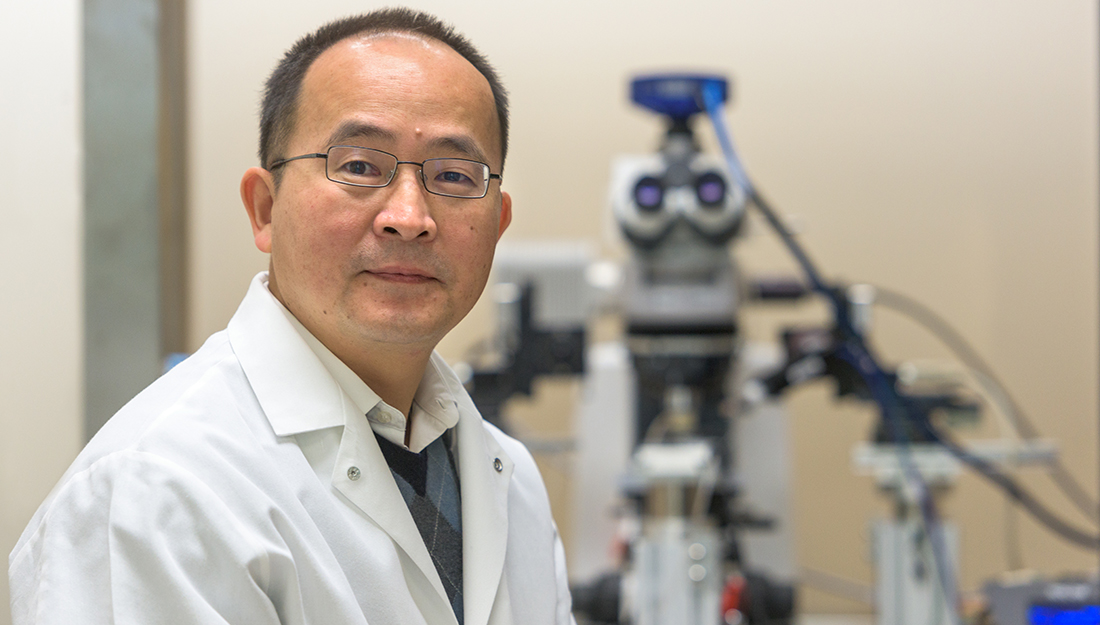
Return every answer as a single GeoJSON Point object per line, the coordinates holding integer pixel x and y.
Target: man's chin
{"type": "Point", "coordinates": [401, 332]}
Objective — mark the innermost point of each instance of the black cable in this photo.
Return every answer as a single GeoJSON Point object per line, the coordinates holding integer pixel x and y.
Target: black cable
{"type": "Point", "coordinates": [935, 324]}
{"type": "Point", "coordinates": [1040, 512]}
{"type": "Point", "coordinates": [971, 358]}
{"type": "Point", "coordinates": [894, 417]}
{"type": "Point", "coordinates": [983, 467]}
{"type": "Point", "coordinates": [868, 367]}
{"type": "Point", "coordinates": [793, 247]}
{"type": "Point", "coordinates": [874, 376]}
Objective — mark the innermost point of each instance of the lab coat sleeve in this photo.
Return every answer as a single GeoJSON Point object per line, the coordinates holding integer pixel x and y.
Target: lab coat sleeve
{"type": "Point", "coordinates": [135, 539]}
{"type": "Point", "coordinates": [565, 599]}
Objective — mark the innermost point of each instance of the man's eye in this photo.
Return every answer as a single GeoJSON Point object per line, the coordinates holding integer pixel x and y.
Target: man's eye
{"type": "Point", "coordinates": [454, 177]}
{"type": "Point", "coordinates": [360, 168]}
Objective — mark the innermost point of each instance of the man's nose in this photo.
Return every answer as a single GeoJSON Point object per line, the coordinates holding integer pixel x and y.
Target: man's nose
{"type": "Point", "coordinates": [405, 212]}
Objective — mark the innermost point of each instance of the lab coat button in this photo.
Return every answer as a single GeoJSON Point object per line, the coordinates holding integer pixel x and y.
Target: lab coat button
{"type": "Point", "coordinates": [353, 473]}
{"type": "Point", "coordinates": [498, 465]}
{"type": "Point", "coordinates": [384, 417]}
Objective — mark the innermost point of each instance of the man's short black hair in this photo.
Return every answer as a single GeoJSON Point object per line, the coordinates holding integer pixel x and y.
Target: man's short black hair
{"type": "Point", "coordinates": [280, 103]}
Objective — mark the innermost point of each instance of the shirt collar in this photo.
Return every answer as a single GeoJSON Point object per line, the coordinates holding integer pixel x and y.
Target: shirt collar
{"type": "Point", "coordinates": [435, 406]}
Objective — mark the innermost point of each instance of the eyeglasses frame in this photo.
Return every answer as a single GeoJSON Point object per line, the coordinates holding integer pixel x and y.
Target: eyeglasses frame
{"type": "Point", "coordinates": [283, 161]}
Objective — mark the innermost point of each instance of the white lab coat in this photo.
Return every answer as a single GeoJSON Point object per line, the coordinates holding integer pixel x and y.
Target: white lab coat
{"type": "Point", "coordinates": [222, 494]}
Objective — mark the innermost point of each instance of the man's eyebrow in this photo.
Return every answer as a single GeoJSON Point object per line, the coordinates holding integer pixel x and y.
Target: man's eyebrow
{"type": "Point", "coordinates": [359, 130]}
{"type": "Point", "coordinates": [465, 146]}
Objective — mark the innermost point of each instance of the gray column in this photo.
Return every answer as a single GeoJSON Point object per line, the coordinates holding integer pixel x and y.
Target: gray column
{"type": "Point", "coordinates": [130, 275]}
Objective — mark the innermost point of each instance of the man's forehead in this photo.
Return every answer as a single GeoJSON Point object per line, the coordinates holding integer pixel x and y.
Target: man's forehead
{"type": "Point", "coordinates": [394, 58]}
{"type": "Point", "coordinates": [404, 59]}
{"type": "Point", "coordinates": [394, 45]}
{"type": "Point", "coordinates": [366, 39]}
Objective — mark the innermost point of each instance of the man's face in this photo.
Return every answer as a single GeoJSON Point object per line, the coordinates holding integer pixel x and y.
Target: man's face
{"type": "Point", "coordinates": [392, 267]}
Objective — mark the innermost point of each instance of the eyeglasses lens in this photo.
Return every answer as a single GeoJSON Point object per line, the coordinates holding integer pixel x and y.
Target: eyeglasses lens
{"type": "Point", "coordinates": [360, 166]}
{"type": "Point", "coordinates": [456, 177]}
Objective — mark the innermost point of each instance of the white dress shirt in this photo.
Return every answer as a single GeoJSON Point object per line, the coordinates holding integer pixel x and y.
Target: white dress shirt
{"type": "Point", "coordinates": [246, 486]}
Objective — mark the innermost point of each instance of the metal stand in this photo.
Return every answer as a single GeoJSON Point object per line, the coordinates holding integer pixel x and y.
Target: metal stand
{"type": "Point", "coordinates": [678, 564]}
{"type": "Point", "coordinates": [908, 585]}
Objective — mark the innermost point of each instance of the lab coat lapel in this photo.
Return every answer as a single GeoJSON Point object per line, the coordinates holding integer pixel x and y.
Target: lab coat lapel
{"type": "Point", "coordinates": [376, 494]}
{"type": "Point", "coordinates": [484, 513]}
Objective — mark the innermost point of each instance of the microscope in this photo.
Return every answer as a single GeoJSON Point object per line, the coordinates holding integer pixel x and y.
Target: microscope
{"type": "Point", "coordinates": [680, 297]}
{"type": "Point", "coordinates": [677, 296]}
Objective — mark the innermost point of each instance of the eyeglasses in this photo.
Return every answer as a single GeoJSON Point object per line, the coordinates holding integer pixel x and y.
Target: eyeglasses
{"type": "Point", "coordinates": [366, 167]}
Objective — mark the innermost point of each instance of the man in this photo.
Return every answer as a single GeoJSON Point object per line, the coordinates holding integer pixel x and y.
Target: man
{"type": "Point", "coordinates": [317, 462]}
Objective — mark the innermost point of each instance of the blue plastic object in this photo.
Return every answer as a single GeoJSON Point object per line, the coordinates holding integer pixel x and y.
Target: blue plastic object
{"type": "Point", "coordinates": [173, 359]}
{"type": "Point", "coordinates": [678, 96]}
{"type": "Point", "coordinates": [1063, 615]}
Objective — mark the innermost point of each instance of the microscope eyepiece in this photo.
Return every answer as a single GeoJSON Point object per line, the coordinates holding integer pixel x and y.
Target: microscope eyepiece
{"type": "Point", "coordinates": [649, 194]}
{"type": "Point", "coordinates": [710, 188]}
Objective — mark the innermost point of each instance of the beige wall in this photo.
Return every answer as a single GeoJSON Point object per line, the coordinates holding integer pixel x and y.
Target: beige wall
{"type": "Point", "coordinates": [40, 252]}
{"type": "Point", "coordinates": [944, 149]}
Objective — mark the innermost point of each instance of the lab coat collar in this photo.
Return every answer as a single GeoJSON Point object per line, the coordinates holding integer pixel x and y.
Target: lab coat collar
{"type": "Point", "coordinates": [294, 389]}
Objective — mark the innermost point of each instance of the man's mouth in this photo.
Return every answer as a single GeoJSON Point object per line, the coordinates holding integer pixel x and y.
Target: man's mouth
{"type": "Point", "coordinates": [402, 274]}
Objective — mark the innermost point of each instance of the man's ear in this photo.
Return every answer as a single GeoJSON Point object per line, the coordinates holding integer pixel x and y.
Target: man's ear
{"type": "Point", "coordinates": [258, 195]}
{"type": "Point", "coordinates": [505, 213]}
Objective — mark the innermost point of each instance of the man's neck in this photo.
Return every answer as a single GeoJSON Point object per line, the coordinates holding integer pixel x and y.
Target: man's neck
{"type": "Point", "coordinates": [393, 374]}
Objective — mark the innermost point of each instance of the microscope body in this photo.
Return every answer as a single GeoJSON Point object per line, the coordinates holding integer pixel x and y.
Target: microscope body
{"type": "Point", "coordinates": [679, 300]}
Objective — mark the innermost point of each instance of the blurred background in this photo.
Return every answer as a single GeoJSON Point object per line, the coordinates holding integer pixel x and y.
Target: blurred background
{"type": "Point", "coordinates": [944, 149]}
